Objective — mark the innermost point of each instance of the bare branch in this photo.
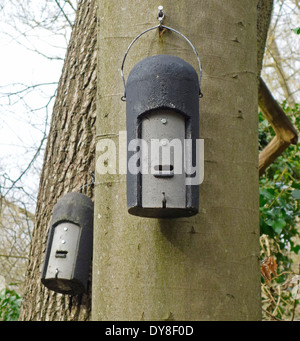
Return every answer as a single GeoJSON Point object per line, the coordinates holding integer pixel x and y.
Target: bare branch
{"type": "Point", "coordinates": [286, 133]}
{"type": "Point", "coordinates": [271, 315]}
{"type": "Point", "coordinates": [28, 166]}
{"type": "Point", "coordinates": [70, 3]}
{"type": "Point", "coordinates": [14, 256]}
{"type": "Point", "coordinates": [17, 208]}
{"type": "Point", "coordinates": [26, 88]}
{"type": "Point", "coordinates": [275, 53]}
{"type": "Point", "coordinates": [64, 14]}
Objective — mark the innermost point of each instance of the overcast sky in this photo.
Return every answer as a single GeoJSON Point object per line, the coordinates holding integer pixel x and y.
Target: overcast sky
{"type": "Point", "coordinates": [22, 123]}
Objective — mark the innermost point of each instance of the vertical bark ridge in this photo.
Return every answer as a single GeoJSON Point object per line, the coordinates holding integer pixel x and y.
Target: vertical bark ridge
{"type": "Point", "coordinates": [264, 14]}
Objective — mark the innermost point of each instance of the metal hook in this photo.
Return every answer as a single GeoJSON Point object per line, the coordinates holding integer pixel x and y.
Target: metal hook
{"type": "Point", "coordinates": [161, 15]}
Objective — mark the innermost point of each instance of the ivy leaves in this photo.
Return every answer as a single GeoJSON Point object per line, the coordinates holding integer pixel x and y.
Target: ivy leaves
{"type": "Point", "coordinates": [278, 209]}
{"type": "Point", "coordinates": [279, 194]}
{"type": "Point", "coordinates": [296, 194]}
{"type": "Point", "coordinates": [296, 30]}
{"type": "Point", "coordinates": [10, 303]}
{"type": "Point", "coordinates": [279, 205]}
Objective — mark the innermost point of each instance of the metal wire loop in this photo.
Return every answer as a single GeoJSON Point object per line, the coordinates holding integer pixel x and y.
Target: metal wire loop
{"type": "Point", "coordinates": [160, 25]}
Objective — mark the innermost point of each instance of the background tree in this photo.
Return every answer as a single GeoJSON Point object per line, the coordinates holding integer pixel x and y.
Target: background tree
{"type": "Point", "coordinates": [281, 60]}
{"type": "Point", "coordinates": [39, 33]}
{"type": "Point", "coordinates": [16, 224]}
{"type": "Point", "coordinates": [279, 183]}
{"type": "Point", "coordinates": [68, 163]}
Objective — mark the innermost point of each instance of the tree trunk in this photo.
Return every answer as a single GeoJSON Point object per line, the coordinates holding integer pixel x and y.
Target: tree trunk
{"type": "Point", "coordinates": [206, 266]}
{"type": "Point", "coordinates": [68, 163]}
{"type": "Point", "coordinates": [200, 268]}
{"type": "Point", "coordinates": [264, 14]}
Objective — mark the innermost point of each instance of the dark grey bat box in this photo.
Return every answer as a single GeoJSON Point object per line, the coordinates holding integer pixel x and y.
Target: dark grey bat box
{"type": "Point", "coordinates": [162, 114]}
{"type": "Point", "coordinates": [70, 245]}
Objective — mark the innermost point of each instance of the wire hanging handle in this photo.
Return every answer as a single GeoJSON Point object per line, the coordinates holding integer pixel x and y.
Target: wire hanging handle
{"type": "Point", "coordinates": [160, 18]}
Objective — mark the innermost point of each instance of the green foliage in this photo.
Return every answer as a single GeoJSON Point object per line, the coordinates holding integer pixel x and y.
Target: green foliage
{"type": "Point", "coordinates": [296, 30]}
{"type": "Point", "coordinates": [280, 192]}
{"type": "Point", "coordinates": [279, 202]}
{"type": "Point", "coordinates": [10, 303]}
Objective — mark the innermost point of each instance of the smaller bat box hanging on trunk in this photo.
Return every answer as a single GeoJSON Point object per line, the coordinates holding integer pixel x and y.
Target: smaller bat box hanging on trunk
{"type": "Point", "coordinates": [70, 245]}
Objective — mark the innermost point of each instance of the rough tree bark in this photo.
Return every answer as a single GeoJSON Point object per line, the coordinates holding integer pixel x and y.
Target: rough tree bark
{"type": "Point", "coordinates": [205, 267]}
{"type": "Point", "coordinates": [264, 14]}
{"type": "Point", "coordinates": [68, 163]}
